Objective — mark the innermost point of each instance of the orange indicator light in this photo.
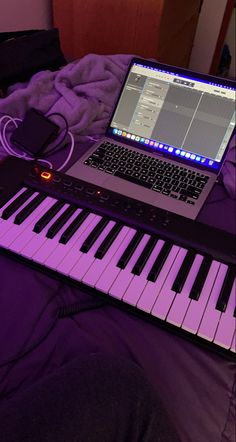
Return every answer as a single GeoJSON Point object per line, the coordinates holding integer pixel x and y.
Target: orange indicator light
{"type": "Point", "coordinates": [46, 175]}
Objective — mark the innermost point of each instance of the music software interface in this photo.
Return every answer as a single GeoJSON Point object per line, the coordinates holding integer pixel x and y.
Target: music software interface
{"type": "Point", "coordinates": [183, 116]}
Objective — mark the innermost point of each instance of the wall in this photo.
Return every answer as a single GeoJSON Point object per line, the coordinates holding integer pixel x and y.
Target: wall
{"type": "Point", "coordinates": [16, 15]}
{"type": "Point", "coordinates": [230, 40]}
{"type": "Point", "coordinates": [205, 40]}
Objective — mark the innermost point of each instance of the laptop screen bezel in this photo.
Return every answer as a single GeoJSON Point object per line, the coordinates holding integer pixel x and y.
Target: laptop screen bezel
{"type": "Point", "coordinates": [182, 72]}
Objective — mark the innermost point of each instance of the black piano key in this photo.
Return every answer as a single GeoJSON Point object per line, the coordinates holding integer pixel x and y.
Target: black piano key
{"type": "Point", "coordinates": [200, 278]}
{"type": "Point", "coordinates": [108, 241]}
{"type": "Point", "coordinates": [138, 267]}
{"type": "Point", "coordinates": [60, 222]}
{"type": "Point", "coordinates": [93, 236]}
{"type": "Point", "coordinates": [183, 271]}
{"type": "Point", "coordinates": [15, 205]}
{"type": "Point", "coordinates": [47, 217]}
{"type": "Point", "coordinates": [24, 213]}
{"type": "Point", "coordinates": [73, 227]}
{"type": "Point", "coordinates": [160, 260]}
{"type": "Point", "coordinates": [123, 261]}
{"type": "Point", "coordinates": [226, 288]}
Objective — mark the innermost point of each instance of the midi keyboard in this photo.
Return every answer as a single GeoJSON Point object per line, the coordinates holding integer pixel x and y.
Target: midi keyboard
{"type": "Point", "coordinates": [176, 272]}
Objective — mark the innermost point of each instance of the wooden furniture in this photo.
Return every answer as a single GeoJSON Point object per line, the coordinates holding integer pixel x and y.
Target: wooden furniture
{"type": "Point", "coordinates": [161, 29]}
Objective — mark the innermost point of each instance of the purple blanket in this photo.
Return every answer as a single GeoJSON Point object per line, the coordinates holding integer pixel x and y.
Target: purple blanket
{"type": "Point", "coordinates": [83, 91]}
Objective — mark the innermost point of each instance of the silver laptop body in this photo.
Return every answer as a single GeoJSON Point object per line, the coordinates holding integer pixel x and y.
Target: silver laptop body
{"type": "Point", "coordinates": [168, 120]}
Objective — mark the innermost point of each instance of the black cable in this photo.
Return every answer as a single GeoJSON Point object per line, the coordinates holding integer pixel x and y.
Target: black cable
{"type": "Point", "coordinates": [72, 309]}
{"type": "Point", "coordinates": [62, 312]}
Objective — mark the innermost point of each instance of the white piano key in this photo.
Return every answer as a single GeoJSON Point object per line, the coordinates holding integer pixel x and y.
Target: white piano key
{"type": "Point", "coordinates": [27, 234]}
{"type": "Point", "coordinates": [51, 243]}
{"type": "Point", "coordinates": [62, 250]}
{"type": "Point", "coordinates": [108, 277]}
{"type": "Point", "coordinates": [182, 300]}
{"type": "Point", "coordinates": [152, 289]}
{"type": "Point", "coordinates": [139, 282]}
{"type": "Point", "coordinates": [74, 254]}
{"type": "Point", "coordinates": [211, 316]}
{"type": "Point", "coordinates": [166, 295]}
{"type": "Point", "coordinates": [86, 259]}
{"type": "Point", "coordinates": [37, 239]}
{"type": "Point", "coordinates": [233, 344]}
{"type": "Point", "coordinates": [196, 309]}
{"type": "Point", "coordinates": [16, 230]}
{"type": "Point", "coordinates": [125, 276]}
{"type": "Point", "coordinates": [99, 265]}
{"type": "Point", "coordinates": [227, 325]}
{"type": "Point", "coordinates": [7, 224]}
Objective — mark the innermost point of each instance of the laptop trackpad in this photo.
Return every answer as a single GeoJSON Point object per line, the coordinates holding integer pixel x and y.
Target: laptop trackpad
{"type": "Point", "coordinates": [131, 190]}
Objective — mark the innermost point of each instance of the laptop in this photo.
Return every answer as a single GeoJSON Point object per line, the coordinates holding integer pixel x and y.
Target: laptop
{"type": "Point", "coordinates": [167, 138]}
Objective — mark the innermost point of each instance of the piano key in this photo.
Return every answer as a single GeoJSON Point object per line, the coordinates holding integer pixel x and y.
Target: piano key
{"type": "Point", "coordinates": [93, 236]}
{"type": "Point", "coordinates": [226, 290]}
{"type": "Point", "coordinates": [29, 208]}
{"type": "Point", "coordinates": [85, 260]}
{"type": "Point", "coordinates": [26, 229]}
{"type": "Point", "coordinates": [182, 300]}
{"type": "Point", "coordinates": [143, 258]}
{"type": "Point", "coordinates": [150, 293]}
{"type": "Point", "coordinates": [37, 239]}
{"type": "Point", "coordinates": [74, 254]}
{"type": "Point", "coordinates": [99, 265]}
{"type": "Point", "coordinates": [6, 225]}
{"type": "Point", "coordinates": [74, 226]}
{"type": "Point", "coordinates": [158, 264]}
{"type": "Point", "coordinates": [166, 294]}
{"type": "Point", "coordinates": [124, 259]}
{"type": "Point", "coordinates": [200, 279]}
{"type": "Point", "coordinates": [10, 237]}
{"type": "Point", "coordinates": [233, 344]}
{"type": "Point", "coordinates": [183, 271]}
{"type": "Point", "coordinates": [14, 197]}
{"type": "Point", "coordinates": [17, 203]}
{"type": "Point", "coordinates": [108, 277]}
{"type": "Point", "coordinates": [125, 276]}
{"type": "Point", "coordinates": [139, 282]}
{"type": "Point", "coordinates": [211, 316]}
{"type": "Point", "coordinates": [227, 324]}
{"type": "Point", "coordinates": [104, 247]}
{"type": "Point", "coordinates": [62, 249]}
{"type": "Point", "coordinates": [50, 245]}
{"type": "Point", "coordinates": [48, 216]}
{"type": "Point", "coordinates": [61, 222]}
{"type": "Point", "coordinates": [196, 309]}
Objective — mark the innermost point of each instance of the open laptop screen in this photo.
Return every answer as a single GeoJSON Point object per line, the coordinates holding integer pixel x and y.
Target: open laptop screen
{"type": "Point", "coordinates": [176, 111]}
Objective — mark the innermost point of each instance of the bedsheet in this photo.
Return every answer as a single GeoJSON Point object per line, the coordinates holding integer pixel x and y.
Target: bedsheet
{"type": "Point", "coordinates": [196, 386]}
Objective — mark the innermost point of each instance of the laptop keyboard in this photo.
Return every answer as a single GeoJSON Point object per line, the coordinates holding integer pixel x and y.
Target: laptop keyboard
{"type": "Point", "coordinates": [159, 175]}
